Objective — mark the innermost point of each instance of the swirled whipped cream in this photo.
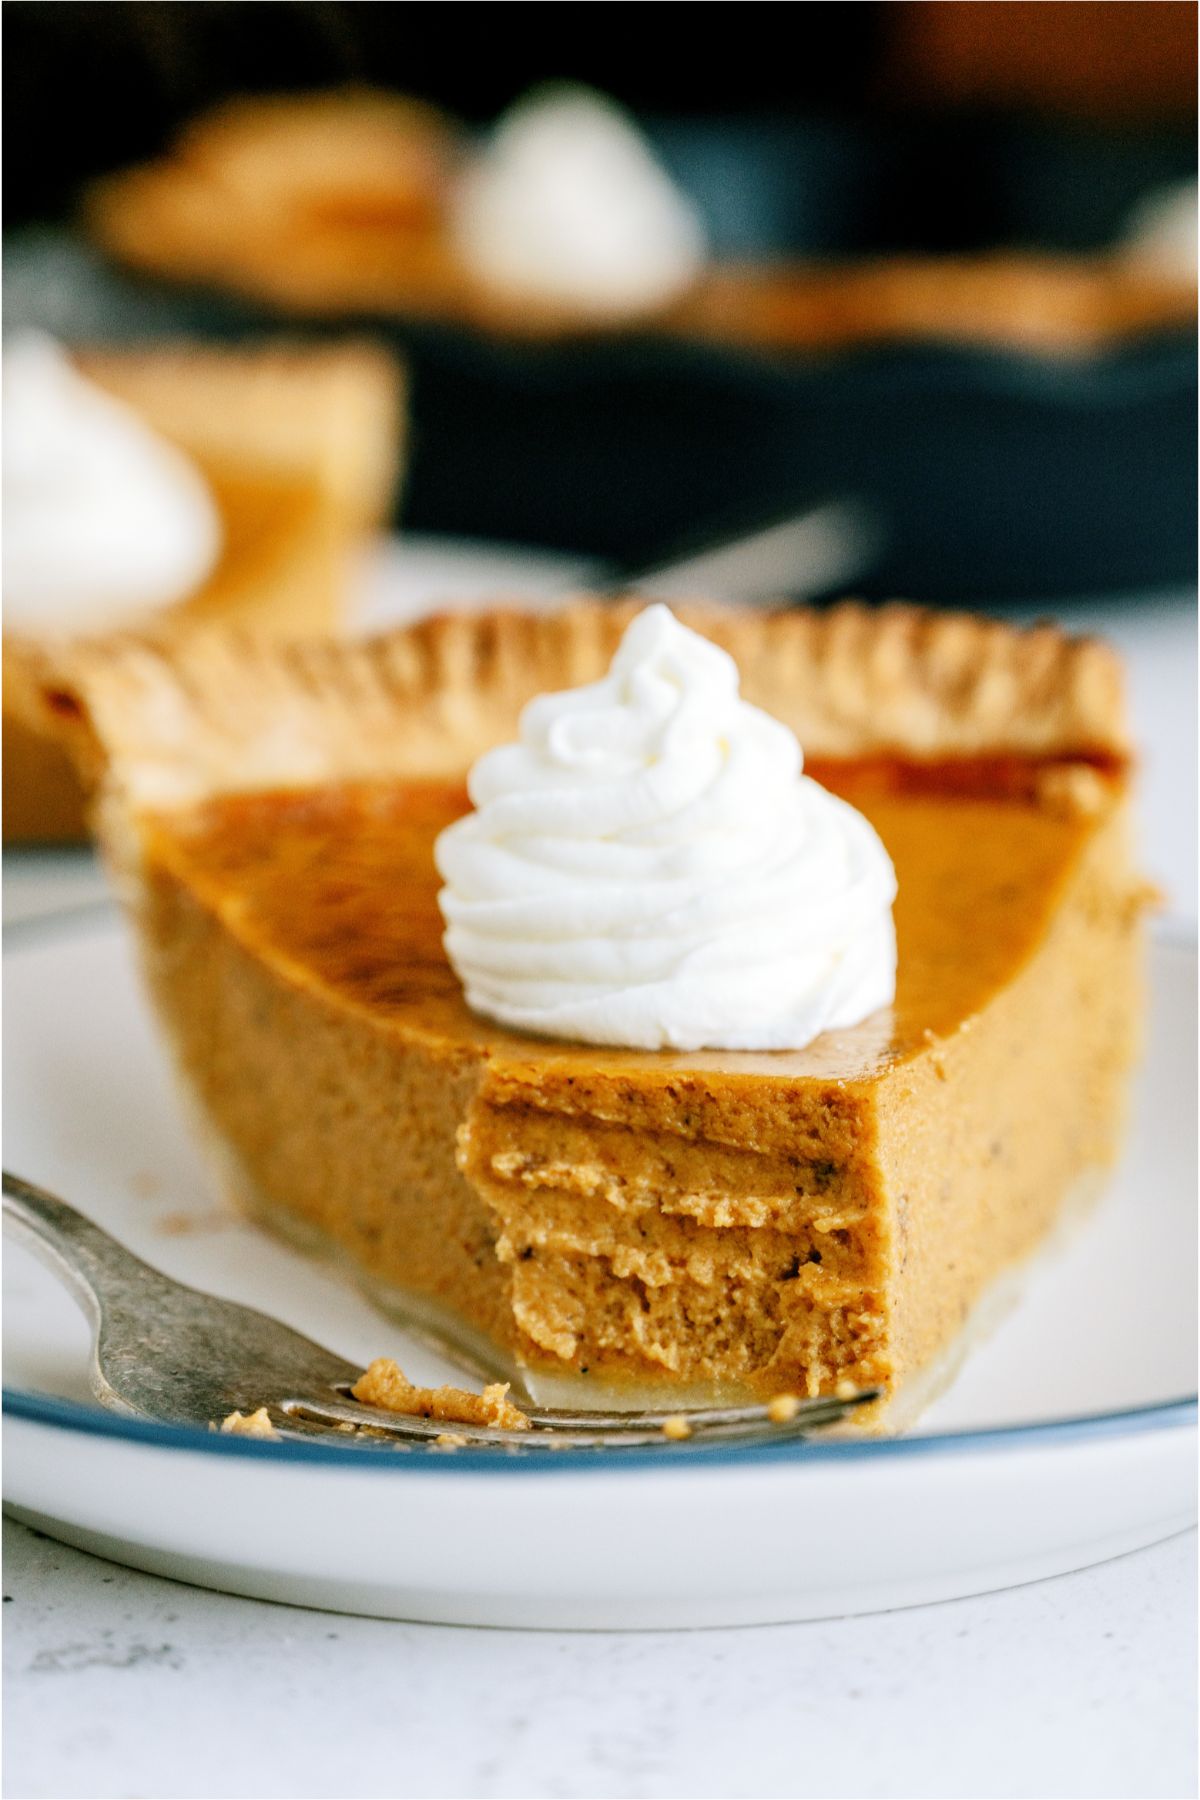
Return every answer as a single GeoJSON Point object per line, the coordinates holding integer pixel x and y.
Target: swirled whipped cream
{"type": "Point", "coordinates": [567, 206]}
{"type": "Point", "coordinates": [649, 867]}
{"type": "Point", "coordinates": [102, 518]}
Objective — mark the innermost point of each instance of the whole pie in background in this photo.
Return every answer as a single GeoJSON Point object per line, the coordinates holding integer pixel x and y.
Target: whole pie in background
{"type": "Point", "coordinates": [342, 203]}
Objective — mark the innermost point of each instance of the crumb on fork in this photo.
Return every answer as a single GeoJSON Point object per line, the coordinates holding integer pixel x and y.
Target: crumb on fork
{"type": "Point", "coordinates": [387, 1386]}
{"type": "Point", "coordinates": [782, 1408]}
{"type": "Point", "coordinates": [256, 1424]}
{"type": "Point", "coordinates": [676, 1427]}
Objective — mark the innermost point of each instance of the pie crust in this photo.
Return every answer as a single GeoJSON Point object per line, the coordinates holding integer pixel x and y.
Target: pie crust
{"type": "Point", "coordinates": [852, 681]}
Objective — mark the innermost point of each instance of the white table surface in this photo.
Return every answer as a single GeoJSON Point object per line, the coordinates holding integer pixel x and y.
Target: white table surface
{"type": "Point", "coordinates": [118, 1683]}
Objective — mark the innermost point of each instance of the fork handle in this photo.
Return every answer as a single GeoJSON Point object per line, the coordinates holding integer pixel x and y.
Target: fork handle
{"type": "Point", "coordinates": [101, 1272]}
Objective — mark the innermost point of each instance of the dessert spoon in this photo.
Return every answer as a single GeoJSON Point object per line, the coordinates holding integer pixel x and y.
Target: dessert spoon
{"type": "Point", "coordinates": [167, 1352]}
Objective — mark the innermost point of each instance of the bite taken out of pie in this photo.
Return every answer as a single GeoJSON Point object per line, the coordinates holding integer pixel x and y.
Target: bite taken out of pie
{"type": "Point", "coordinates": [708, 1223]}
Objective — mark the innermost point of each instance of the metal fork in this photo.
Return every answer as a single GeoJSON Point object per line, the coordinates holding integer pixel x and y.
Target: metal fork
{"type": "Point", "coordinates": [168, 1352]}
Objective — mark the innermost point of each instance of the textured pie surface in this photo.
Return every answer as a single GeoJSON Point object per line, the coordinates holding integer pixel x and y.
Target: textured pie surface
{"type": "Point", "coordinates": [340, 882]}
{"type": "Point", "coordinates": [713, 1222]}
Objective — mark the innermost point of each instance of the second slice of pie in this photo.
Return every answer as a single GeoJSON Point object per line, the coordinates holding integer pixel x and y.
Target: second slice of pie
{"type": "Point", "coordinates": [298, 448]}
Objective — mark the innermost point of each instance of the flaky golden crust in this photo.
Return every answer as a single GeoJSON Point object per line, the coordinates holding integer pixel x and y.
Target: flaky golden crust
{"type": "Point", "coordinates": [175, 720]}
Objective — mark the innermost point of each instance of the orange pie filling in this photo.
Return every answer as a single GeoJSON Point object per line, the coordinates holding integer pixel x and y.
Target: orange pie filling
{"type": "Point", "coordinates": [718, 1222]}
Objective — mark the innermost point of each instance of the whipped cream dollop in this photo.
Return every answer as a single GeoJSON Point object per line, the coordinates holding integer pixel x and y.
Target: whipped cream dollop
{"type": "Point", "coordinates": [102, 517]}
{"type": "Point", "coordinates": [649, 867]}
{"type": "Point", "coordinates": [1161, 233]}
{"type": "Point", "coordinates": [568, 206]}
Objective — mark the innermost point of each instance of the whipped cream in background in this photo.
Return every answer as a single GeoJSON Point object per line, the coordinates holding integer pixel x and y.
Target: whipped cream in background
{"type": "Point", "coordinates": [568, 206]}
{"type": "Point", "coordinates": [102, 518]}
{"type": "Point", "coordinates": [1161, 232]}
{"type": "Point", "coordinates": [649, 867]}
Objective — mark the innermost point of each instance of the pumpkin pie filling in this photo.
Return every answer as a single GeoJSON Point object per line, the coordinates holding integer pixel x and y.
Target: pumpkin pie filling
{"type": "Point", "coordinates": [713, 1223]}
{"type": "Point", "coordinates": [717, 1219]}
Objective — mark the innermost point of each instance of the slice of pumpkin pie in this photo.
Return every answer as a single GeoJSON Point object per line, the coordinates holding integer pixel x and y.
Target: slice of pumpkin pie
{"type": "Point", "coordinates": [171, 485]}
{"type": "Point", "coordinates": [665, 1093]}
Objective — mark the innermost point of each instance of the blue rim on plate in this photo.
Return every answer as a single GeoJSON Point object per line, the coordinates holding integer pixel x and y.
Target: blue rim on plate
{"type": "Point", "coordinates": [72, 1415]}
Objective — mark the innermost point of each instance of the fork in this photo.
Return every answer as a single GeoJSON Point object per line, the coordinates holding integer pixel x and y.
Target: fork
{"type": "Point", "coordinates": [167, 1352]}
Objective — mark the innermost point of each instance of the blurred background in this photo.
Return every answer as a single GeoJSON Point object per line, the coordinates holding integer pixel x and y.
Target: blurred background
{"type": "Point", "coordinates": [945, 286]}
{"type": "Point", "coordinates": [963, 96]}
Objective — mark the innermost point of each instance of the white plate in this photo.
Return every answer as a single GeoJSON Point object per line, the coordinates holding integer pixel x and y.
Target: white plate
{"type": "Point", "coordinates": [1065, 1440]}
